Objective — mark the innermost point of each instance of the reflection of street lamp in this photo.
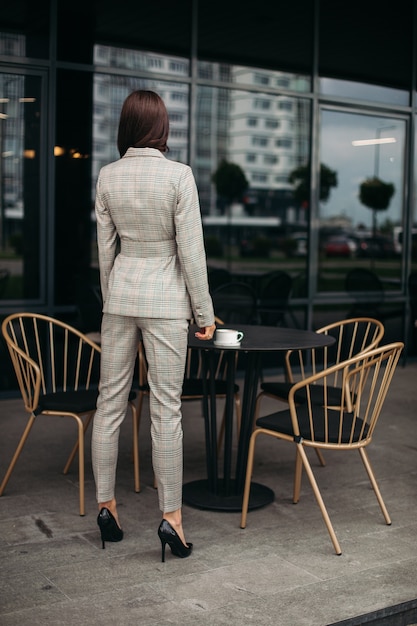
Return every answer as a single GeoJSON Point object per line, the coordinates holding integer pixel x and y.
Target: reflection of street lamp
{"type": "Point", "coordinates": [375, 184]}
{"type": "Point", "coordinates": [378, 141]}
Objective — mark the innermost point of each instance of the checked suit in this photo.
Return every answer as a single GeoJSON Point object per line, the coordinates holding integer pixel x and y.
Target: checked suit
{"type": "Point", "coordinates": [153, 277]}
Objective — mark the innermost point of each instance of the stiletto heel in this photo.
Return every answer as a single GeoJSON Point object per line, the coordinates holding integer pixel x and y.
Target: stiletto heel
{"type": "Point", "coordinates": [163, 544]}
{"type": "Point", "coordinates": [109, 529]}
{"type": "Point", "coordinates": [168, 535]}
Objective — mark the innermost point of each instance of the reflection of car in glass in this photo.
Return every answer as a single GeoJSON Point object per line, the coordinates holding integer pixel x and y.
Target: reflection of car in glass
{"type": "Point", "coordinates": [301, 244]}
{"type": "Point", "coordinates": [295, 245]}
{"type": "Point", "coordinates": [339, 246]}
{"type": "Point", "coordinates": [397, 236]}
{"type": "Point", "coordinates": [377, 247]}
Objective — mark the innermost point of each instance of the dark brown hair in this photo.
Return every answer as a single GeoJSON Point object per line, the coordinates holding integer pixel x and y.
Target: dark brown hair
{"type": "Point", "coordinates": [144, 122]}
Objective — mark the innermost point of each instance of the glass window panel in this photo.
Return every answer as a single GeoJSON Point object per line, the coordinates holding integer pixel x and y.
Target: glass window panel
{"type": "Point", "coordinates": [361, 188]}
{"type": "Point", "coordinates": [414, 218]}
{"type": "Point", "coordinates": [145, 61]}
{"type": "Point", "coordinates": [347, 89]}
{"type": "Point", "coordinates": [258, 225]}
{"type": "Point", "coordinates": [24, 28]}
{"type": "Point", "coordinates": [366, 44]}
{"type": "Point", "coordinates": [20, 119]}
{"type": "Point", "coordinates": [162, 26]}
{"type": "Point", "coordinates": [277, 36]}
{"type": "Point", "coordinates": [242, 75]}
{"type": "Point", "coordinates": [109, 95]}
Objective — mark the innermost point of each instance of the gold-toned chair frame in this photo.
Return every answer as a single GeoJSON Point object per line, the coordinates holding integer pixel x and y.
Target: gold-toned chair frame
{"type": "Point", "coordinates": [366, 334]}
{"type": "Point", "coordinates": [31, 376]}
{"type": "Point", "coordinates": [371, 375]}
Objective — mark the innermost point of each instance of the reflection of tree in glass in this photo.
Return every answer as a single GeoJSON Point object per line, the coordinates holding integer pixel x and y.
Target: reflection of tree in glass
{"type": "Point", "coordinates": [230, 181]}
{"type": "Point", "coordinates": [300, 178]}
{"type": "Point", "coordinates": [376, 195]}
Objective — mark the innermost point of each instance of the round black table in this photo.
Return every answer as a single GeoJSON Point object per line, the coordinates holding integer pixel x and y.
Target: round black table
{"type": "Point", "coordinates": [225, 493]}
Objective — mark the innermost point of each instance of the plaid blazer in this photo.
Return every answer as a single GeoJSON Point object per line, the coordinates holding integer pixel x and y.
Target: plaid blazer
{"type": "Point", "coordinates": [150, 206]}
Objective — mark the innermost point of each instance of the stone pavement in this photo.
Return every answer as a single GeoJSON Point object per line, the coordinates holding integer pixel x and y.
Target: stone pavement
{"type": "Point", "coordinates": [281, 570]}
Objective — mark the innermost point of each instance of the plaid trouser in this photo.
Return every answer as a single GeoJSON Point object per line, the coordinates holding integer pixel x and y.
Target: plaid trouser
{"type": "Point", "coordinates": [165, 343]}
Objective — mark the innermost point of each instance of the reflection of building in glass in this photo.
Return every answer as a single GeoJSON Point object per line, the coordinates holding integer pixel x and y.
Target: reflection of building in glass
{"type": "Point", "coordinates": [212, 125]}
{"type": "Point", "coordinates": [110, 92]}
{"type": "Point", "coordinates": [268, 138]}
{"type": "Point", "coordinates": [12, 102]}
{"type": "Point", "coordinates": [265, 134]}
{"type": "Point", "coordinates": [12, 45]}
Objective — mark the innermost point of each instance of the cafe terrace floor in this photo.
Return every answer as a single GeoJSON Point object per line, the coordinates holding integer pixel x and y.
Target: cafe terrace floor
{"type": "Point", "coordinates": [281, 570]}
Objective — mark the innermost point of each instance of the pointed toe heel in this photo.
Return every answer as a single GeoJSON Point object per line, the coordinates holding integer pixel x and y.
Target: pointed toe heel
{"type": "Point", "coordinates": [109, 529]}
{"type": "Point", "coordinates": [168, 535]}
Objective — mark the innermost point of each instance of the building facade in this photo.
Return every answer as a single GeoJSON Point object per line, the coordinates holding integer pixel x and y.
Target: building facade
{"type": "Point", "coordinates": [316, 111]}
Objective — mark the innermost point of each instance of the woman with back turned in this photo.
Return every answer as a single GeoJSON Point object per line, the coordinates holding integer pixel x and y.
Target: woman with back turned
{"type": "Point", "coordinates": [152, 288]}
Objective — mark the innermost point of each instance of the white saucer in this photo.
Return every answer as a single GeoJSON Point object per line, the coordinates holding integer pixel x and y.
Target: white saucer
{"type": "Point", "coordinates": [218, 344]}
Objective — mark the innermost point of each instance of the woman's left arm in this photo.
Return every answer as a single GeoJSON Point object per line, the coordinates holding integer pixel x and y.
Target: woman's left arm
{"type": "Point", "coordinates": [106, 239]}
{"type": "Point", "coordinates": [191, 251]}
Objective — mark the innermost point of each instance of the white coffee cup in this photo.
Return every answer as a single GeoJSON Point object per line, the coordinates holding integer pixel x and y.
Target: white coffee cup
{"type": "Point", "coordinates": [228, 336]}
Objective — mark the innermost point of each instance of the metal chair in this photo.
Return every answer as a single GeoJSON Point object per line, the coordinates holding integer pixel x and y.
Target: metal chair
{"type": "Point", "coordinates": [57, 369]}
{"type": "Point", "coordinates": [218, 276]}
{"type": "Point", "coordinates": [274, 298]}
{"type": "Point", "coordinates": [353, 336]}
{"type": "Point", "coordinates": [322, 426]}
{"type": "Point", "coordinates": [368, 292]}
{"type": "Point", "coordinates": [235, 303]}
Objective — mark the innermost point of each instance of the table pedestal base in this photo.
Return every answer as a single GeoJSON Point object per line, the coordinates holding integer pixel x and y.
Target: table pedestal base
{"type": "Point", "coordinates": [197, 495]}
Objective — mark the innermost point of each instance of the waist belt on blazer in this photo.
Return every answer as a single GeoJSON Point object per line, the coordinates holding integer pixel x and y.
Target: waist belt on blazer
{"type": "Point", "coordinates": [145, 249]}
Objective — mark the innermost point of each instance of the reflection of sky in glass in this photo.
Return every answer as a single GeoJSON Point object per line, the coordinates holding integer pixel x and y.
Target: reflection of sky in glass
{"type": "Point", "coordinates": [363, 91]}
{"type": "Point", "coordinates": [355, 163]}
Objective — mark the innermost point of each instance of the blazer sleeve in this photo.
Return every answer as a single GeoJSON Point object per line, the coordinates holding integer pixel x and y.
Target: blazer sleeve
{"type": "Point", "coordinates": [106, 240]}
{"type": "Point", "coordinates": [191, 251]}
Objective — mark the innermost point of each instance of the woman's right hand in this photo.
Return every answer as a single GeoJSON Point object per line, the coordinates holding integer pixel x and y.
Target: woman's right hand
{"type": "Point", "coordinates": [205, 333]}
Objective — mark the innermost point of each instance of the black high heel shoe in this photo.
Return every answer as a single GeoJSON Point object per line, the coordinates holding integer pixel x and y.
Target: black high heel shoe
{"type": "Point", "coordinates": [168, 536]}
{"type": "Point", "coordinates": [109, 529]}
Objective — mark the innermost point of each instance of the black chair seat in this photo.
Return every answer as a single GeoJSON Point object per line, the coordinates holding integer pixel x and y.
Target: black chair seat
{"type": "Point", "coordinates": [195, 387]}
{"type": "Point", "coordinates": [282, 390]}
{"type": "Point", "coordinates": [79, 401]}
{"type": "Point", "coordinates": [281, 422]}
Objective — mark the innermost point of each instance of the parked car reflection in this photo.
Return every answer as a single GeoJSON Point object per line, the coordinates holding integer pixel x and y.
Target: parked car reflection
{"type": "Point", "coordinates": [376, 247]}
{"type": "Point", "coordinates": [340, 246]}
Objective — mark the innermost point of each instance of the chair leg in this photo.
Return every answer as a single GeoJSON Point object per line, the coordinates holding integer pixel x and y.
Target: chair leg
{"type": "Point", "coordinates": [136, 423]}
{"type": "Point", "coordinates": [141, 395]}
{"type": "Point", "coordinates": [297, 477]}
{"type": "Point", "coordinates": [238, 408]}
{"type": "Point", "coordinates": [371, 475]}
{"type": "Point", "coordinates": [298, 473]}
{"type": "Point", "coordinates": [257, 405]}
{"type": "Point", "coordinates": [17, 453]}
{"type": "Point", "coordinates": [320, 502]}
{"type": "Point", "coordinates": [81, 464]}
{"type": "Point", "coordinates": [249, 470]}
{"type": "Point", "coordinates": [71, 457]}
